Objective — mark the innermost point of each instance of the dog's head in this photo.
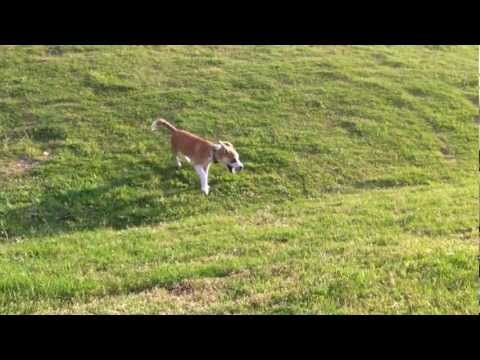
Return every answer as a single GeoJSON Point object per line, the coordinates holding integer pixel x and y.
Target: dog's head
{"type": "Point", "coordinates": [228, 156]}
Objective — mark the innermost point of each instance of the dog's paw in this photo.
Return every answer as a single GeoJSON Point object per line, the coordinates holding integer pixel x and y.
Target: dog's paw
{"type": "Point", "coordinates": [206, 191]}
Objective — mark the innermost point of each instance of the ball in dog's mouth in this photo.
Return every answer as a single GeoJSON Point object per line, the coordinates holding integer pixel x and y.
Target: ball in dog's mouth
{"type": "Point", "coordinates": [235, 169]}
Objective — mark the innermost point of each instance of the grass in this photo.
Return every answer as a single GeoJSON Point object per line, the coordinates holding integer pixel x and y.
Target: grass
{"type": "Point", "coordinates": [358, 196]}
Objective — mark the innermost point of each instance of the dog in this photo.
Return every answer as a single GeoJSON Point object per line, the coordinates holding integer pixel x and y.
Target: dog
{"type": "Point", "coordinates": [200, 153]}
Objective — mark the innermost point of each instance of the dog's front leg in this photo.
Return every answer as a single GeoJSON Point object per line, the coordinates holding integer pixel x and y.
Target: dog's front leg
{"type": "Point", "coordinates": [203, 178]}
{"type": "Point", "coordinates": [179, 162]}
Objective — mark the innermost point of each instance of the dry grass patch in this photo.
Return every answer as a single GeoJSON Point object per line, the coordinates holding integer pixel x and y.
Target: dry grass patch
{"type": "Point", "coordinates": [21, 165]}
{"type": "Point", "coordinates": [17, 167]}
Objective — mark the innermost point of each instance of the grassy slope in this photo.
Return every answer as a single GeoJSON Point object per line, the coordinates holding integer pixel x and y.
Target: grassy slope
{"type": "Point", "coordinates": [360, 194]}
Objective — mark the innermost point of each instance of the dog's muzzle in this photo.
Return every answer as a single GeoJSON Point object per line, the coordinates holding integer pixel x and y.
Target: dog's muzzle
{"type": "Point", "coordinates": [235, 167]}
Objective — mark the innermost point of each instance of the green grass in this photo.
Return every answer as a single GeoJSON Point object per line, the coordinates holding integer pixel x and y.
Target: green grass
{"type": "Point", "coordinates": [359, 193]}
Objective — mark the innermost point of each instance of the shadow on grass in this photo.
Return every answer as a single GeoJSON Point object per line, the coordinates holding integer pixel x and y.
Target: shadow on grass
{"type": "Point", "coordinates": [125, 201]}
{"type": "Point", "coordinates": [384, 184]}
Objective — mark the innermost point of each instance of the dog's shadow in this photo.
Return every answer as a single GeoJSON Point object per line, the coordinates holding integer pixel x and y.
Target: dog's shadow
{"type": "Point", "coordinates": [185, 174]}
{"type": "Point", "coordinates": [146, 194]}
{"type": "Point", "coordinates": [171, 174]}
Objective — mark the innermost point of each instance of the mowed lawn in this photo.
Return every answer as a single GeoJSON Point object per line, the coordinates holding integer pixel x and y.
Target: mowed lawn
{"type": "Point", "coordinates": [359, 194]}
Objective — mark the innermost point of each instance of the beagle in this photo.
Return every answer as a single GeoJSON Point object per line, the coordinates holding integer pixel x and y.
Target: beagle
{"type": "Point", "coordinates": [200, 152]}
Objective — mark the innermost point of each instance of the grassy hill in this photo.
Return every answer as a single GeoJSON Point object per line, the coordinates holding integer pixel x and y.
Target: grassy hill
{"type": "Point", "coordinates": [359, 193]}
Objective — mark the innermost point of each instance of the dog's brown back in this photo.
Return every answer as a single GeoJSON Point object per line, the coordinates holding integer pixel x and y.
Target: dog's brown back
{"type": "Point", "coordinates": [193, 146]}
{"type": "Point", "coordinates": [190, 145]}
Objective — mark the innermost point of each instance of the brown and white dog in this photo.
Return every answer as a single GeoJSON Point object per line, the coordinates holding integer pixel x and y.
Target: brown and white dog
{"type": "Point", "coordinates": [200, 152]}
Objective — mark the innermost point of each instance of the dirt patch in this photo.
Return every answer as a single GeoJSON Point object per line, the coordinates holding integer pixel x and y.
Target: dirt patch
{"type": "Point", "coordinates": [447, 154]}
{"type": "Point", "coordinates": [18, 167]}
{"type": "Point", "coordinates": [197, 290]}
{"type": "Point", "coordinates": [22, 165]}
{"type": "Point", "coordinates": [189, 295]}
{"type": "Point", "coordinates": [183, 288]}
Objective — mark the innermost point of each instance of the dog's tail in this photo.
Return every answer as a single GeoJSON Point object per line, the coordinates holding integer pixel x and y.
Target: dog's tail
{"type": "Point", "coordinates": [162, 122]}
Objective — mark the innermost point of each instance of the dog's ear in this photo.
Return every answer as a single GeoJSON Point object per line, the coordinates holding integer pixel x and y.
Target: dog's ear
{"type": "Point", "coordinates": [225, 144]}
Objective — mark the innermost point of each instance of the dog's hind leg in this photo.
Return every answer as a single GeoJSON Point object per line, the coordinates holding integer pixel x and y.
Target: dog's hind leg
{"type": "Point", "coordinates": [176, 152]}
{"type": "Point", "coordinates": [177, 159]}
